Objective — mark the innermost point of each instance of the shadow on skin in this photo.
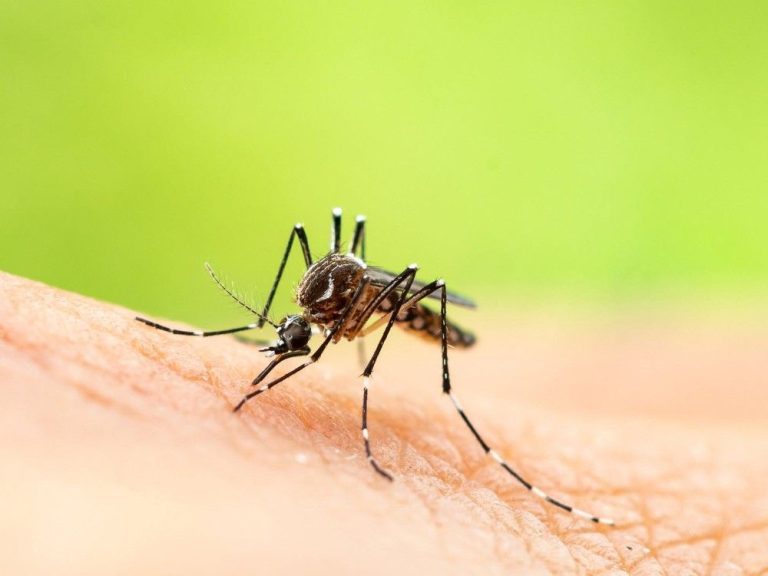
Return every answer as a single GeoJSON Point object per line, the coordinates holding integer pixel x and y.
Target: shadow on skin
{"type": "Point", "coordinates": [121, 455]}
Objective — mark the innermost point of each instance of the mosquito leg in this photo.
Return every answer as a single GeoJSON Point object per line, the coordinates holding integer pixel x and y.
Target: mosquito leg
{"type": "Point", "coordinates": [394, 284]}
{"type": "Point", "coordinates": [264, 373]}
{"type": "Point", "coordinates": [361, 352]}
{"type": "Point", "coordinates": [366, 439]}
{"type": "Point", "coordinates": [406, 277]}
{"type": "Point", "coordinates": [336, 230]}
{"type": "Point", "coordinates": [315, 356]}
{"type": "Point", "coordinates": [440, 285]}
{"type": "Point", "coordinates": [298, 231]}
{"type": "Point", "coordinates": [358, 240]}
{"type": "Point", "coordinates": [197, 332]}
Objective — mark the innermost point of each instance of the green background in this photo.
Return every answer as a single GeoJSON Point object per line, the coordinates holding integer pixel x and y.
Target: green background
{"type": "Point", "coordinates": [525, 151]}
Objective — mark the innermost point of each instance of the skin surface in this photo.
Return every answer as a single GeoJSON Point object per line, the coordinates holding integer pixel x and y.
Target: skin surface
{"type": "Point", "coordinates": [120, 454]}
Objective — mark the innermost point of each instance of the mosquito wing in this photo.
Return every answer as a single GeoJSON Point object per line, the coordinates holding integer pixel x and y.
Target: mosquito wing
{"type": "Point", "coordinates": [380, 277]}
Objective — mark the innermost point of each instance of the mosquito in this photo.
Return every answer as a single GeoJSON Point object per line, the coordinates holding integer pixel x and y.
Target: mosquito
{"type": "Point", "coordinates": [345, 298]}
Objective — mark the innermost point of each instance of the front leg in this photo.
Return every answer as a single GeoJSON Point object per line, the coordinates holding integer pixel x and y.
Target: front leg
{"type": "Point", "coordinates": [298, 231]}
{"type": "Point", "coordinates": [294, 353]}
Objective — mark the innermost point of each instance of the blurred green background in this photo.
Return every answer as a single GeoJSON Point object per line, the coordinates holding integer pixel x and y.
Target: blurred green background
{"type": "Point", "coordinates": [595, 151]}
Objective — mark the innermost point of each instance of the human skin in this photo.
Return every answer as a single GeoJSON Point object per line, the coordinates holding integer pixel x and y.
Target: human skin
{"type": "Point", "coordinates": [121, 454]}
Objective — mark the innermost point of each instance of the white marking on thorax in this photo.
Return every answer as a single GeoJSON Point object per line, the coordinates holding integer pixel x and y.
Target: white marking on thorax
{"type": "Point", "coordinates": [357, 260]}
{"type": "Point", "coordinates": [328, 291]}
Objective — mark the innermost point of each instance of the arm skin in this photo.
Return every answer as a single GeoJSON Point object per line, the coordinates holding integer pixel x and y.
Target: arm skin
{"type": "Point", "coordinates": [120, 453]}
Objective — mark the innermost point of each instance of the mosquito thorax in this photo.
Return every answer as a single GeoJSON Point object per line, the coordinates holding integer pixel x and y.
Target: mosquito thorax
{"type": "Point", "coordinates": [293, 333]}
{"type": "Point", "coordinates": [328, 286]}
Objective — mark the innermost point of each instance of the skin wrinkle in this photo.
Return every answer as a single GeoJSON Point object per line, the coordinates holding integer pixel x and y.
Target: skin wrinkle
{"type": "Point", "coordinates": [37, 356]}
{"type": "Point", "coordinates": [714, 557]}
{"type": "Point", "coordinates": [321, 419]}
{"type": "Point", "coordinates": [588, 554]}
{"type": "Point", "coordinates": [648, 527]}
{"type": "Point", "coordinates": [496, 511]}
{"type": "Point", "coordinates": [415, 484]}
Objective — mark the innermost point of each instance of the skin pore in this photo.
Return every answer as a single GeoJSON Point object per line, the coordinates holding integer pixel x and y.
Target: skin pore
{"type": "Point", "coordinates": [121, 454]}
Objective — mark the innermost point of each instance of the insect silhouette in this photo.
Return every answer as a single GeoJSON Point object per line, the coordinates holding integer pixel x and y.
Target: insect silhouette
{"type": "Point", "coordinates": [341, 294]}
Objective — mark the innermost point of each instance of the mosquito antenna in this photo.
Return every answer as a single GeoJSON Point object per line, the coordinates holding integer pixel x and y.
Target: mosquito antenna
{"type": "Point", "coordinates": [235, 297]}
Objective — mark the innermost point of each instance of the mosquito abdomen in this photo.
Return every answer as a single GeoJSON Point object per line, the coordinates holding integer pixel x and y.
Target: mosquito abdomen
{"type": "Point", "coordinates": [426, 322]}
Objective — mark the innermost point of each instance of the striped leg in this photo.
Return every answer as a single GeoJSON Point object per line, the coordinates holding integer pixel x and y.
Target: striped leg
{"type": "Point", "coordinates": [197, 332]}
{"type": "Point", "coordinates": [361, 352]}
{"type": "Point", "coordinates": [406, 277]}
{"type": "Point", "coordinates": [537, 491]}
{"type": "Point", "coordinates": [366, 439]}
{"type": "Point", "coordinates": [358, 240]}
{"type": "Point", "coordinates": [253, 326]}
{"type": "Point", "coordinates": [336, 230]}
{"type": "Point", "coordinates": [293, 354]}
{"type": "Point", "coordinates": [298, 230]}
{"type": "Point", "coordinates": [440, 285]}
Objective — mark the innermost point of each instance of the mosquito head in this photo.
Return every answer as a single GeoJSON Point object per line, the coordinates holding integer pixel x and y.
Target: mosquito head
{"type": "Point", "coordinates": [293, 333]}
